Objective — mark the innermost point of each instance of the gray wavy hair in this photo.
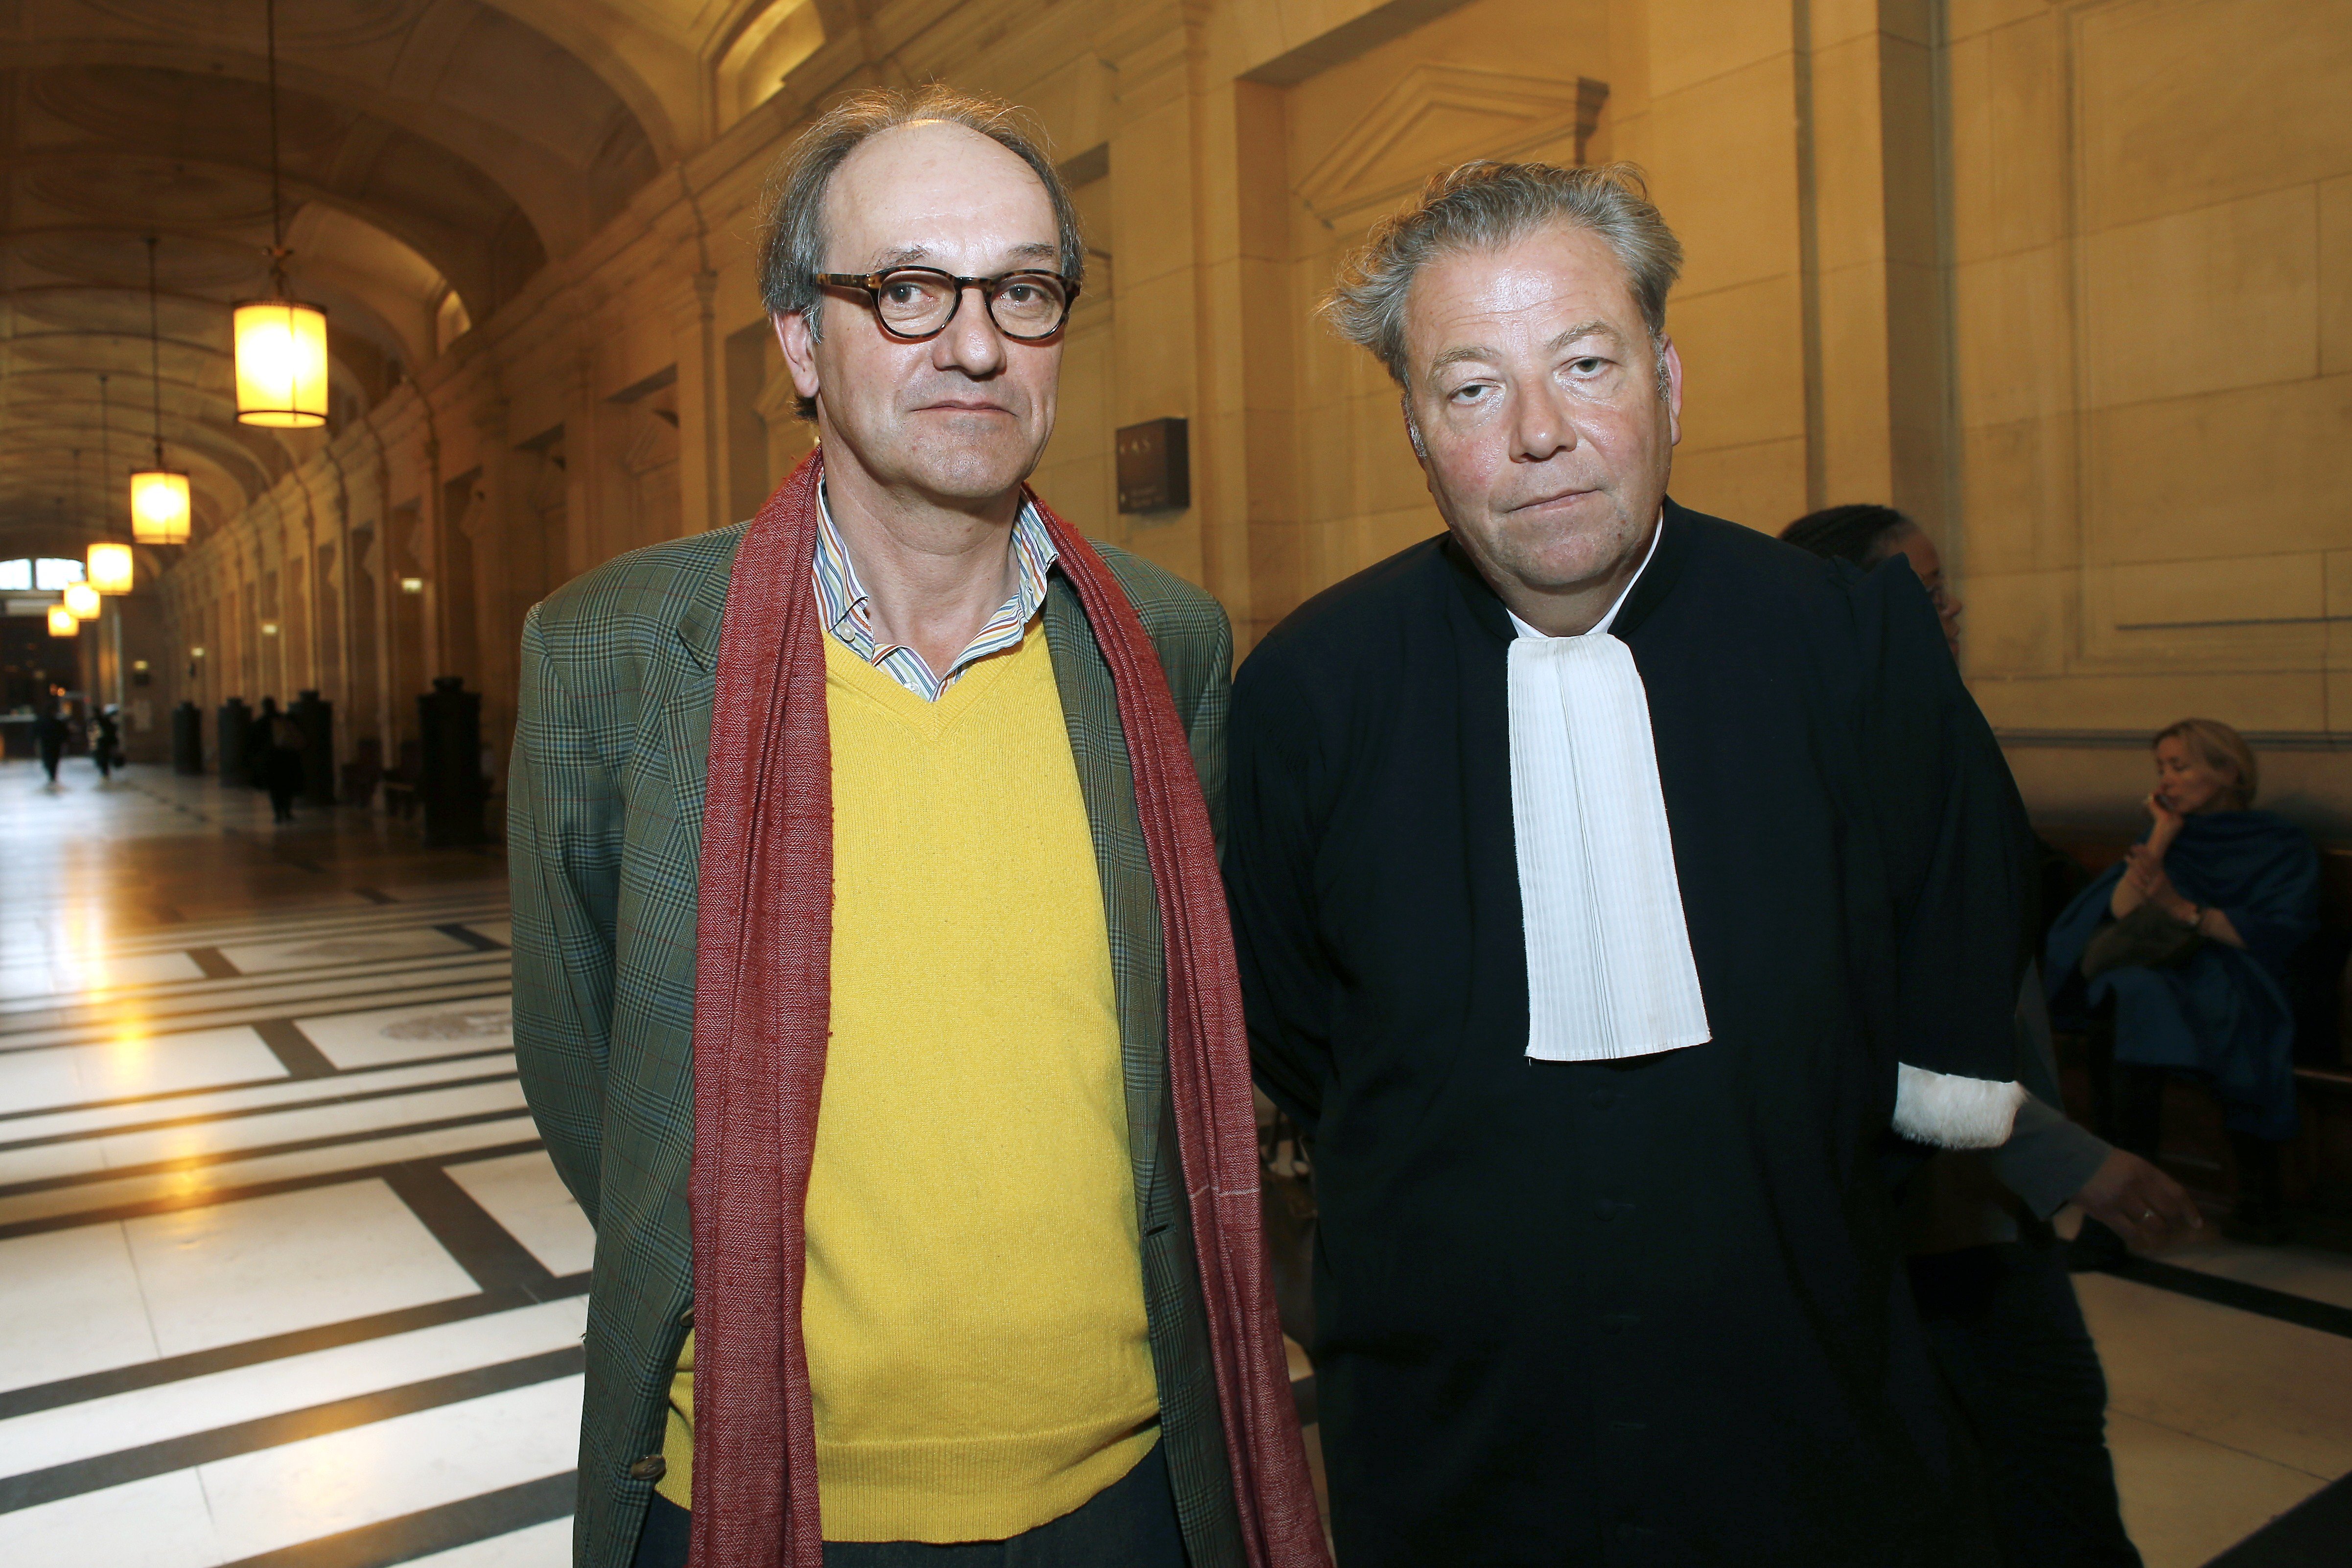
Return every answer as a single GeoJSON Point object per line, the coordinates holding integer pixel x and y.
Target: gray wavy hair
{"type": "Point", "coordinates": [792, 229]}
{"type": "Point", "coordinates": [1483, 205]}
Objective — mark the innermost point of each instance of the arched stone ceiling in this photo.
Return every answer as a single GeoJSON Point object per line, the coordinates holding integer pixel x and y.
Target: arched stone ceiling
{"type": "Point", "coordinates": [427, 146]}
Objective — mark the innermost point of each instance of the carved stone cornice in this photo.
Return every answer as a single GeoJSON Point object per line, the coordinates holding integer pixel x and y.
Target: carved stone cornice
{"type": "Point", "coordinates": [1437, 112]}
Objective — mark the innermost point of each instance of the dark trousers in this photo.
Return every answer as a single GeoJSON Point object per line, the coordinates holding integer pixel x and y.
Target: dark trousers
{"type": "Point", "coordinates": [282, 774]}
{"type": "Point", "coordinates": [1131, 1523]}
{"type": "Point", "coordinates": [51, 752]}
{"type": "Point", "coordinates": [2008, 1338]}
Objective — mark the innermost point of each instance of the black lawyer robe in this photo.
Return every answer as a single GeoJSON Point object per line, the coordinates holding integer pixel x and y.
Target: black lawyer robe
{"type": "Point", "coordinates": [1641, 1311]}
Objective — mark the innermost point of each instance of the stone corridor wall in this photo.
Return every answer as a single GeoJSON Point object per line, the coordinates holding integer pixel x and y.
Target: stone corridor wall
{"type": "Point", "coordinates": [2069, 282]}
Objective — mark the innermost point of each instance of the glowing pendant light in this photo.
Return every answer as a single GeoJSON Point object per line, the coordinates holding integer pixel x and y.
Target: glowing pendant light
{"type": "Point", "coordinates": [111, 563]}
{"type": "Point", "coordinates": [159, 506]}
{"type": "Point", "coordinates": [62, 623]}
{"type": "Point", "coordinates": [111, 568]}
{"type": "Point", "coordinates": [159, 495]}
{"type": "Point", "coordinates": [281, 343]}
{"type": "Point", "coordinates": [81, 601]}
{"type": "Point", "coordinates": [281, 364]}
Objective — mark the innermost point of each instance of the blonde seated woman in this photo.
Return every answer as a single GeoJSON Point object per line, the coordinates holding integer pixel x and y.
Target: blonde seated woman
{"type": "Point", "coordinates": [2183, 947]}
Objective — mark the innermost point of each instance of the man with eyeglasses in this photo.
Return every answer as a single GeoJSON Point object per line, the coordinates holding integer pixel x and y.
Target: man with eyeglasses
{"type": "Point", "coordinates": [872, 984]}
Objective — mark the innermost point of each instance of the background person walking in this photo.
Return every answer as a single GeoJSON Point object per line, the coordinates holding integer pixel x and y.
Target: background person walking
{"type": "Point", "coordinates": [106, 741]}
{"type": "Point", "coordinates": [281, 764]}
{"type": "Point", "coordinates": [49, 736]}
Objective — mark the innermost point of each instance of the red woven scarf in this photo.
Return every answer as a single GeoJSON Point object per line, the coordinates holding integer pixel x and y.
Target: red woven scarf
{"type": "Point", "coordinates": [761, 1014]}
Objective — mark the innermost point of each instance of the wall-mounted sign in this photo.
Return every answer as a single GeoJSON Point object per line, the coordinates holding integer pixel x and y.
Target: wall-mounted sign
{"type": "Point", "coordinates": [1155, 470]}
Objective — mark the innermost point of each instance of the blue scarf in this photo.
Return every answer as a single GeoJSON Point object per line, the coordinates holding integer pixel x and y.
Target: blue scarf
{"type": "Point", "coordinates": [2225, 1014]}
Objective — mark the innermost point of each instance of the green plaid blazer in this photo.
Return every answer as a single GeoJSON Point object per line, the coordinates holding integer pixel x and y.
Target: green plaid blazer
{"type": "Point", "coordinates": [604, 833]}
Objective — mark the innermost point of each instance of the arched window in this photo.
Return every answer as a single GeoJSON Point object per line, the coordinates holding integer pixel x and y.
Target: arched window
{"type": "Point", "coordinates": [43, 574]}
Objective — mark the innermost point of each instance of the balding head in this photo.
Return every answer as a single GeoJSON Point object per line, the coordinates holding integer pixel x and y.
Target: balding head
{"type": "Point", "coordinates": [954, 413]}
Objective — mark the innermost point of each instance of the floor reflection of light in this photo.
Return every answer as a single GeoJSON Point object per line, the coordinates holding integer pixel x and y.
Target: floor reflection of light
{"type": "Point", "coordinates": [128, 1053]}
{"type": "Point", "coordinates": [183, 1143]}
{"type": "Point", "coordinates": [80, 959]}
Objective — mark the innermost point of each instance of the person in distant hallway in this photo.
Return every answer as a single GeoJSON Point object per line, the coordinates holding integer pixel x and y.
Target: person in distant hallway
{"type": "Point", "coordinates": [49, 734]}
{"type": "Point", "coordinates": [1608, 880]}
{"type": "Point", "coordinates": [280, 771]}
{"type": "Point", "coordinates": [2178, 954]}
{"type": "Point", "coordinates": [260, 737]}
{"type": "Point", "coordinates": [1987, 1271]}
{"type": "Point", "coordinates": [873, 987]}
{"type": "Point", "coordinates": [105, 741]}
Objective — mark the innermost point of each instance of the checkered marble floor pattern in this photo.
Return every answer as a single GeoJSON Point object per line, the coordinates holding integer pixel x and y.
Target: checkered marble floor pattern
{"type": "Point", "coordinates": [286, 1277]}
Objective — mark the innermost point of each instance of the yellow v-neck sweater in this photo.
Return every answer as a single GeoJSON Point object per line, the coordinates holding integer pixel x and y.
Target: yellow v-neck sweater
{"type": "Point", "coordinates": [974, 1313]}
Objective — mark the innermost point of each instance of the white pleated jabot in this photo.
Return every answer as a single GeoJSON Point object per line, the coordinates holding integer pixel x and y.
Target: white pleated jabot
{"type": "Point", "coordinates": [1609, 973]}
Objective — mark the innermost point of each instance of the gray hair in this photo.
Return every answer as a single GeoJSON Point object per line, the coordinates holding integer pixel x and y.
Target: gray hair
{"type": "Point", "coordinates": [793, 237]}
{"type": "Point", "coordinates": [1483, 205]}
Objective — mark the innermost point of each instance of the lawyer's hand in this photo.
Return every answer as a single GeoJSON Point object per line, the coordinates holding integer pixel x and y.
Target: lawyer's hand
{"type": "Point", "coordinates": [2136, 1201]}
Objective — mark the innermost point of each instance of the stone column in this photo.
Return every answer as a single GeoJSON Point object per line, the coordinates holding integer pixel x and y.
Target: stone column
{"type": "Point", "coordinates": [1709, 100]}
{"type": "Point", "coordinates": [1879, 279]}
{"type": "Point", "coordinates": [1161, 351]}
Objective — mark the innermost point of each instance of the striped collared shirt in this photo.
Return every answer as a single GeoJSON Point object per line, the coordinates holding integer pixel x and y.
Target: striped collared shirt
{"type": "Point", "coordinates": [848, 614]}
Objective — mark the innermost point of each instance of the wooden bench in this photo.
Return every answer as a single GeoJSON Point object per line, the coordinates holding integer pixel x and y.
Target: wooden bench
{"type": "Point", "coordinates": [401, 782]}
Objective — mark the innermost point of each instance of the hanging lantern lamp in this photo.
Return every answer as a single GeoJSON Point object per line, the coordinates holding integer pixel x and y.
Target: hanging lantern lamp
{"type": "Point", "coordinates": [111, 568]}
{"type": "Point", "coordinates": [81, 601]}
{"type": "Point", "coordinates": [281, 343]}
{"type": "Point", "coordinates": [62, 622]}
{"type": "Point", "coordinates": [281, 364]}
{"type": "Point", "coordinates": [159, 506]}
{"type": "Point", "coordinates": [159, 495]}
{"type": "Point", "coordinates": [111, 565]}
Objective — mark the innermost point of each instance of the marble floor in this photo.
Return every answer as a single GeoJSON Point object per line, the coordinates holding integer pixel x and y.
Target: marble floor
{"type": "Point", "coordinates": [285, 1275]}
{"type": "Point", "coordinates": [286, 1278]}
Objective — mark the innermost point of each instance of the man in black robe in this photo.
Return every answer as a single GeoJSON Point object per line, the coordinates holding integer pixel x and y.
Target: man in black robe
{"type": "Point", "coordinates": [1608, 1271]}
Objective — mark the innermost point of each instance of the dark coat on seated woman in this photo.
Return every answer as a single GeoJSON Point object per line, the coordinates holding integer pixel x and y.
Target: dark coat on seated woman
{"type": "Point", "coordinates": [2222, 1013]}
